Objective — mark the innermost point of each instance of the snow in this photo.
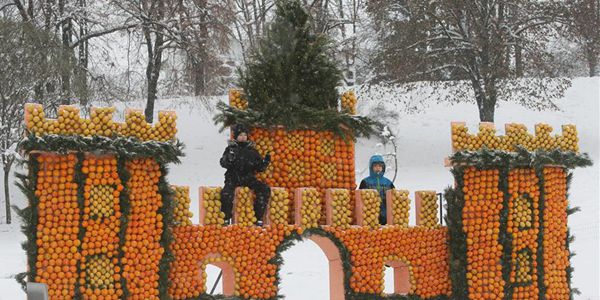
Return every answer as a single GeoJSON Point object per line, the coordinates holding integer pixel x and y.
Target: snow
{"type": "Point", "coordinates": [423, 141]}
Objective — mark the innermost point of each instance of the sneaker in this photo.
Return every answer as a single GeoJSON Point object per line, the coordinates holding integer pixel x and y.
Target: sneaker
{"type": "Point", "coordinates": [227, 222]}
{"type": "Point", "coordinates": [259, 223]}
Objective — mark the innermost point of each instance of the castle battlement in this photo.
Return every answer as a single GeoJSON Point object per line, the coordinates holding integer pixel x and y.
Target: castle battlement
{"type": "Point", "coordinates": [516, 135]}
{"type": "Point", "coordinates": [100, 123]}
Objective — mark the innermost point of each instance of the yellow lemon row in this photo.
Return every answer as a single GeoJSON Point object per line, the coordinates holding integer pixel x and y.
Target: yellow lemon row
{"type": "Point", "coordinates": [516, 135]}
{"type": "Point", "coordinates": [371, 208]}
{"type": "Point", "coordinates": [429, 209]}
{"type": "Point", "coordinates": [311, 207]}
{"type": "Point", "coordinates": [100, 123]}
{"type": "Point", "coordinates": [279, 206]}
{"type": "Point", "coordinates": [244, 207]}
{"type": "Point", "coordinates": [181, 212]}
{"type": "Point", "coordinates": [348, 102]}
{"type": "Point", "coordinates": [236, 99]}
{"type": "Point", "coordinates": [400, 207]}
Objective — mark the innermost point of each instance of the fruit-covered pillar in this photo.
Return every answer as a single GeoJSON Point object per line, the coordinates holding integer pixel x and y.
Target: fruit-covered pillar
{"type": "Point", "coordinates": [507, 215]}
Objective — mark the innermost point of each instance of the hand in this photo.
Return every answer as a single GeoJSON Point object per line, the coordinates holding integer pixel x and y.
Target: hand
{"type": "Point", "coordinates": [231, 156]}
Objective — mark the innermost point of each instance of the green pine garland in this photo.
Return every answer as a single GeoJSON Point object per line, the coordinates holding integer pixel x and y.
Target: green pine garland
{"type": "Point", "coordinates": [29, 220]}
{"type": "Point", "coordinates": [79, 179]}
{"type": "Point", "coordinates": [166, 210]}
{"type": "Point", "coordinates": [339, 123]}
{"type": "Point", "coordinates": [125, 206]}
{"type": "Point", "coordinates": [123, 147]}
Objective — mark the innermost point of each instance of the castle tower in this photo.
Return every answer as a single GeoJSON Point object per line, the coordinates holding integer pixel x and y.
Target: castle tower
{"type": "Point", "coordinates": [508, 212]}
{"type": "Point", "coordinates": [100, 204]}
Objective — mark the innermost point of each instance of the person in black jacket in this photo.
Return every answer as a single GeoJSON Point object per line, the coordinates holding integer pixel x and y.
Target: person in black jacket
{"type": "Point", "coordinates": [242, 161]}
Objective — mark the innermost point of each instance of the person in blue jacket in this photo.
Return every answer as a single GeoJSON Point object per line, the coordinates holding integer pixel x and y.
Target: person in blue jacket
{"type": "Point", "coordinates": [377, 181]}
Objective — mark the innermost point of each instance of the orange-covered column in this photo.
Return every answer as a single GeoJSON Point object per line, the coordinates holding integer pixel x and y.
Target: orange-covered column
{"type": "Point", "coordinates": [142, 250]}
{"type": "Point", "coordinates": [58, 225]}
{"type": "Point", "coordinates": [481, 222]}
{"type": "Point", "coordinates": [556, 254]}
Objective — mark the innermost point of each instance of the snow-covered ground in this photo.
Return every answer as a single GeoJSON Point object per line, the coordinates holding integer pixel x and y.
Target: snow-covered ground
{"type": "Point", "coordinates": [423, 142]}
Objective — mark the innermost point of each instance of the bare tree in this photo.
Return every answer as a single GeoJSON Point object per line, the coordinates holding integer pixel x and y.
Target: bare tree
{"type": "Point", "coordinates": [584, 25]}
{"type": "Point", "coordinates": [471, 40]}
{"type": "Point", "coordinates": [249, 22]}
{"type": "Point", "coordinates": [29, 58]}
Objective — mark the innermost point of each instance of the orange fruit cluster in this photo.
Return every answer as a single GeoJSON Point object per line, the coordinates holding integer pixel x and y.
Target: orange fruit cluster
{"type": "Point", "coordinates": [301, 158]}
{"type": "Point", "coordinates": [311, 207]}
{"type": "Point", "coordinates": [428, 215]}
{"type": "Point", "coordinates": [255, 276]}
{"type": "Point", "coordinates": [523, 225]}
{"type": "Point", "coordinates": [58, 225]}
{"type": "Point", "coordinates": [279, 205]}
{"type": "Point", "coordinates": [142, 249]}
{"type": "Point", "coordinates": [181, 212]}
{"type": "Point", "coordinates": [341, 208]}
{"type": "Point", "coordinates": [211, 203]}
{"type": "Point", "coordinates": [100, 123]}
{"type": "Point", "coordinates": [516, 135]}
{"type": "Point", "coordinates": [244, 206]}
{"type": "Point", "coordinates": [400, 207]}
{"type": "Point", "coordinates": [371, 202]}
{"type": "Point", "coordinates": [481, 223]}
{"type": "Point", "coordinates": [349, 102]}
{"type": "Point", "coordinates": [425, 250]}
{"type": "Point", "coordinates": [236, 99]}
{"type": "Point", "coordinates": [101, 221]}
{"type": "Point", "coordinates": [556, 254]}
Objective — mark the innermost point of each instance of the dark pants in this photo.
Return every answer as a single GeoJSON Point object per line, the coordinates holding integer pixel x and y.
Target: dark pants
{"type": "Point", "coordinates": [261, 190]}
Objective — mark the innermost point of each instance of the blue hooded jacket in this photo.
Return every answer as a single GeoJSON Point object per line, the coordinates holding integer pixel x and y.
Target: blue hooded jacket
{"type": "Point", "coordinates": [378, 182]}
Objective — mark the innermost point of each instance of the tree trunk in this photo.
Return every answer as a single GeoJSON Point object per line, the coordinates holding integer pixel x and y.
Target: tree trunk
{"type": "Point", "coordinates": [152, 74]}
{"type": "Point", "coordinates": [7, 192]}
{"type": "Point", "coordinates": [592, 60]}
{"type": "Point", "coordinates": [66, 27]}
{"type": "Point", "coordinates": [519, 61]}
{"type": "Point", "coordinates": [485, 96]}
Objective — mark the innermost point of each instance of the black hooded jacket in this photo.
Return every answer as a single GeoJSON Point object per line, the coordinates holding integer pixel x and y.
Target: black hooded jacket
{"type": "Point", "coordinates": [242, 161]}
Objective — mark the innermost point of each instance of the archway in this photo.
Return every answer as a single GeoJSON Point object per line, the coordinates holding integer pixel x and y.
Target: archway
{"type": "Point", "coordinates": [401, 274]}
{"type": "Point", "coordinates": [215, 263]}
{"type": "Point", "coordinates": [316, 268]}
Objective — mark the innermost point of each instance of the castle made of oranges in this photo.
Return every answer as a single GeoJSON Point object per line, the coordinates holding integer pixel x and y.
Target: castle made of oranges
{"type": "Point", "coordinates": [103, 222]}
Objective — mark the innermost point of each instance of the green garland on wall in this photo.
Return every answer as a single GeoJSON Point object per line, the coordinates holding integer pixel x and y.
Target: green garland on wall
{"type": "Point", "coordinates": [125, 206]}
{"type": "Point", "coordinates": [123, 147]}
{"type": "Point", "coordinates": [166, 210]}
{"type": "Point", "coordinates": [79, 179]}
{"type": "Point", "coordinates": [29, 219]}
{"type": "Point", "coordinates": [343, 125]}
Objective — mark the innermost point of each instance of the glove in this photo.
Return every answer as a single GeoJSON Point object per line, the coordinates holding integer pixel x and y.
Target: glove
{"type": "Point", "coordinates": [267, 158]}
{"type": "Point", "coordinates": [231, 156]}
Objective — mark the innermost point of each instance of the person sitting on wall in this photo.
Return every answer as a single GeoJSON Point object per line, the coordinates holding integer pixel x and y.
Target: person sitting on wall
{"type": "Point", "coordinates": [377, 181]}
{"type": "Point", "coordinates": [242, 161]}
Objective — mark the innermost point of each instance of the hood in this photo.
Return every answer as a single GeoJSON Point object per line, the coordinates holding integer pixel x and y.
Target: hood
{"type": "Point", "coordinates": [376, 159]}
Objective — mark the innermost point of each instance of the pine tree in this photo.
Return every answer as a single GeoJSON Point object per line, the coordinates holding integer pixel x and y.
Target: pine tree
{"type": "Point", "coordinates": [291, 80]}
{"type": "Point", "coordinates": [292, 67]}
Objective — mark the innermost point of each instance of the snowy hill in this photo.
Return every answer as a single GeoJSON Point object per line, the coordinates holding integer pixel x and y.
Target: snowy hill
{"type": "Point", "coordinates": [423, 142]}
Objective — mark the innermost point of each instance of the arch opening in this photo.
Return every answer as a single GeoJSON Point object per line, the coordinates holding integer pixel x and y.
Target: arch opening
{"type": "Point", "coordinates": [213, 268]}
{"type": "Point", "coordinates": [319, 271]}
{"type": "Point", "coordinates": [399, 272]}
